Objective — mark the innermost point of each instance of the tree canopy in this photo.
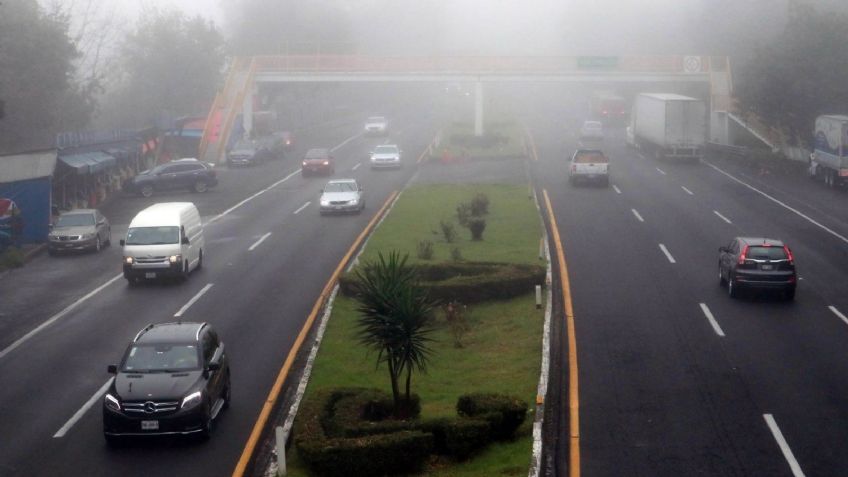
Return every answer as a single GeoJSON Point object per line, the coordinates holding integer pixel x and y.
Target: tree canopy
{"type": "Point", "coordinates": [36, 77]}
{"type": "Point", "coordinates": [800, 75]}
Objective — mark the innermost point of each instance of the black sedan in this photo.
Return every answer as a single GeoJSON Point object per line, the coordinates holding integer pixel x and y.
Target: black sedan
{"type": "Point", "coordinates": [757, 263]}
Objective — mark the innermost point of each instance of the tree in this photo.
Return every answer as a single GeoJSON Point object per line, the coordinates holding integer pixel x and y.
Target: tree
{"type": "Point", "coordinates": [171, 65]}
{"type": "Point", "coordinates": [800, 75]}
{"type": "Point", "coordinates": [395, 320]}
{"type": "Point", "coordinates": [36, 76]}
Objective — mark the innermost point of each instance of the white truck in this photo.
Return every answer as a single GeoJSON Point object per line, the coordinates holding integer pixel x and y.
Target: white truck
{"type": "Point", "coordinates": [829, 160]}
{"type": "Point", "coordinates": [669, 126]}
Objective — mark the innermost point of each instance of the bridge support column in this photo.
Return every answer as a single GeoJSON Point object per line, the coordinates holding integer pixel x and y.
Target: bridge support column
{"type": "Point", "coordinates": [247, 112]}
{"type": "Point", "coordinates": [478, 109]}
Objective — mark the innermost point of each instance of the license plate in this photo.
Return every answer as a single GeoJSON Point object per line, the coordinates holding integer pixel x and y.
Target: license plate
{"type": "Point", "coordinates": [149, 425]}
{"type": "Point", "coordinates": [338, 207]}
{"type": "Point", "coordinates": [150, 275]}
{"type": "Point", "coordinates": [768, 267]}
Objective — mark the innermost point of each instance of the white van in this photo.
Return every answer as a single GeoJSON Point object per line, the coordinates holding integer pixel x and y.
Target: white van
{"type": "Point", "coordinates": [163, 240]}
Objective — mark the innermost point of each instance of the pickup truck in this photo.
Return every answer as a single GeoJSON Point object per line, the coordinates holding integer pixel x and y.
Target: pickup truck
{"type": "Point", "coordinates": [589, 165]}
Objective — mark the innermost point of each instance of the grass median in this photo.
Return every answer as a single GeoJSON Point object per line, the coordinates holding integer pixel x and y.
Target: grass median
{"type": "Point", "coordinates": [500, 352]}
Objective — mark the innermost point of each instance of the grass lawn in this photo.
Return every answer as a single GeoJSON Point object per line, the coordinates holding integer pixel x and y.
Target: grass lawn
{"type": "Point", "coordinates": [502, 351]}
{"type": "Point", "coordinates": [511, 130]}
{"type": "Point", "coordinates": [513, 226]}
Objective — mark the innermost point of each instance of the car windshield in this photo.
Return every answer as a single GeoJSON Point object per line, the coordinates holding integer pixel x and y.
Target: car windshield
{"type": "Point", "coordinates": [153, 358]}
{"type": "Point", "coordinates": [75, 220]}
{"type": "Point", "coordinates": [153, 235]}
{"type": "Point", "coordinates": [386, 150]}
{"type": "Point", "coordinates": [244, 145]}
{"type": "Point", "coordinates": [766, 253]}
{"type": "Point", "coordinates": [340, 187]}
{"type": "Point", "coordinates": [376, 119]}
{"type": "Point", "coordinates": [316, 154]}
{"type": "Point", "coordinates": [590, 157]}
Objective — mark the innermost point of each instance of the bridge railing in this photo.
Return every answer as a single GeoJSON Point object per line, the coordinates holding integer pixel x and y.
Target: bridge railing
{"type": "Point", "coordinates": [483, 64]}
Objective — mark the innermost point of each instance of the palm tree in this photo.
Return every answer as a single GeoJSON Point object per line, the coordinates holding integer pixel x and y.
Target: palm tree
{"type": "Point", "coordinates": [395, 320]}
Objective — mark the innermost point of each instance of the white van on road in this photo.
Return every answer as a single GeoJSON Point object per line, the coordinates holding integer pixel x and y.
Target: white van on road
{"type": "Point", "coordinates": [163, 240]}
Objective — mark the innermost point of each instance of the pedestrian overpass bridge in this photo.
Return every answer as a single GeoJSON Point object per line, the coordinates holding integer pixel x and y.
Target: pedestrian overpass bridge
{"type": "Point", "coordinates": [246, 73]}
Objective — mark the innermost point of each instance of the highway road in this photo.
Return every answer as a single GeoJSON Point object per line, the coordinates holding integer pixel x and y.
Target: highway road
{"type": "Point", "coordinates": [269, 254]}
{"type": "Point", "coordinates": [675, 377]}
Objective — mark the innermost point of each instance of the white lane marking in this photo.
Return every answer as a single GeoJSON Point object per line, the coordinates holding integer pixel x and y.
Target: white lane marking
{"type": "Point", "coordinates": [636, 213]}
{"type": "Point", "coordinates": [357, 166]}
{"type": "Point", "coordinates": [193, 300]}
{"type": "Point", "coordinates": [712, 319]}
{"type": "Point", "coordinates": [782, 204]}
{"type": "Point", "coordinates": [339, 146]}
{"type": "Point", "coordinates": [722, 217]}
{"type": "Point", "coordinates": [784, 447]}
{"type": "Point", "coordinates": [81, 411]}
{"type": "Point", "coordinates": [57, 316]}
{"type": "Point", "coordinates": [660, 171]}
{"type": "Point", "coordinates": [261, 239]}
{"type": "Point", "coordinates": [299, 210]}
{"type": "Point", "coordinates": [667, 255]}
{"type": "Point", "coordinates": [275, 184]}
{"type": "Point", "coordinates": [837, 313]}
{"type": "Point", "coordinates": [617, 190]}
{"type": "Point", "coordinates": [687, 190]}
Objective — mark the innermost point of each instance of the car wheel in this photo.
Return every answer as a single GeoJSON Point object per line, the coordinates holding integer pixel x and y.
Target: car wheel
{"type": "Point", "coordinates": [789, 294]}
{"type": "Point", "coordinates": [109, 238]}
{"type": "Point", "coordinates": [98, 244]}
{"type": "Point", "coordinates": [206, 430]}
{"type": "Point", "coordinates": [721, 280]}
{"type": "Point", "coordinates": [147, 191]}
{"type": "Point", "coordinates": [732, 287]}
{"type": "Point", "coordinates": [200, 187]}
{"type": "Point", "coordinates": [184, 275]}
{"type": "Point", "coordinates": [200, 260]}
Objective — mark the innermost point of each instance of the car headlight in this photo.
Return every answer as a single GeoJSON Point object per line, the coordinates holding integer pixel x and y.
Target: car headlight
{"type": "Point", "coordinates": [112, 402]}
{"type": "Point", "coordinates": [128, 260]}
{"type": "Point", "coordinates": [325, 203]}
{"type": "Point", "coordinates": [192, 400]}
{"type": "Point", "coordinates": [86, 236]}
{"type": "Point", "coordinates": [326, 163]}
{"type": "Point", "coordinates": [175, 258]}
{"type": "Point", "coordinates": [304, 163]}
{"type": "Point", "coordinates": [53, 238]}
{"type": "Point", "coordinates": [354, 201]}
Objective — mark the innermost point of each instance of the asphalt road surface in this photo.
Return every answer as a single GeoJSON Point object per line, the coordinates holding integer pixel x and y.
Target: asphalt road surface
{"type": "Point", "coordinates": [261, 293]}
{"type": "Point", "coordinates": [675, 377]}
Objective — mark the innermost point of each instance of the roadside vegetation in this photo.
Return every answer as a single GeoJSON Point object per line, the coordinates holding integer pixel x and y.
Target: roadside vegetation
{"type": "Point", "coordinates": [11, 257]}
{"type": "Point", "coordinates": [475, 357]}
{"type": "Point", "coordinates": [501, 139]}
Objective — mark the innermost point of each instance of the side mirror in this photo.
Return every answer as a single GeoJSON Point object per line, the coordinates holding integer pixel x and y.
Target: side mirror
{"type": "Point", "coordinates": [122, 242]}
{"type": "Point", "coordinates": [214, 366]}
{"type": "Point", "coordinates": [722, 249]}
{"type": "Point", "coordinates": [186, 241]}
{"type": "Point", "coordinates": [50, 227]}
{"type": "Point", "coordinates": [112, 369]}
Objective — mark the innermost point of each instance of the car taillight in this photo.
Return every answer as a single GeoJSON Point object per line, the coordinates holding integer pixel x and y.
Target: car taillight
{"type": "Point", "coordinates": [789, 255]}
{"type": "Point", "coordinates": [742, 257]}
{"type": "Point", "coordinates": [573, 167]}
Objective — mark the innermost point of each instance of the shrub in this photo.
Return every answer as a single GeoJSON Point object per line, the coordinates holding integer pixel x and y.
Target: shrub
{"type": "Point", "coordinates": [425, 250]}
{"type": "Point", "coordinates": [458, 437]}
{"type": "Point", "coordinates": [503, 413]}
{"type": "Point", "coordinates": [455, 315]}
{"type": "Point", "coordinates": [463, 214]}
{"type": "Point", "coordinates": [477, 225]}
{"type": "Point", "coordinates": [388, 447]}
{"type": "Point", "coordinates": [12, 257]}
{"type": "Point", "coordinates": [448, 231]}
{"type": "Point", "coordinates": [479, 204]}
{"type": "Point", "coordinates": [456, 254]}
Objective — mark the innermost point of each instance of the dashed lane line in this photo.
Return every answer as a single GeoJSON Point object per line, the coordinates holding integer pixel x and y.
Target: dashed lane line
{"type": "Point", "coordinates": [722, 217]}
{"type": "Point", "coordinates": [636, 213]}
{"type": "Point", "coordinates": [784, 447]}
{"type": "Point", "coordinates": [667, 254]}
{"type": "Point", "coordinates": [712, 319]}
{"type": "Point", "coordinates": [300, 209]}
{"type": "Point", "coordinates": [838, 313]}
{"type": "Point", "coordinates": [193, 300]}
{"type": "Point", "coordinates": [687, 190]}
{"type": "Point", "coordinates": [261, 239]}
{"type": "Point", "coordinates": [616, 189]}
{"type": "Point", "coordinates": [357, 166]}
{"type": "Point", "coordinates": [660, 171]}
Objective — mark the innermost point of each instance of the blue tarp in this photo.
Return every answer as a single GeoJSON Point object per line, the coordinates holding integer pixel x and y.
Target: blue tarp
{"type": "Point", "coordinates": [32, 199]}
{"type": "Point", "coordinates": [89, 162]}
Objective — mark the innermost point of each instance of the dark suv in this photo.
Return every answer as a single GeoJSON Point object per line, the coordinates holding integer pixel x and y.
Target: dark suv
{"type": "Point", "coordinates": [188, 174]}
{"type": "Point", "coordinates": [174, 379]}
{"type": "Point", "coordinates": [755, 262]}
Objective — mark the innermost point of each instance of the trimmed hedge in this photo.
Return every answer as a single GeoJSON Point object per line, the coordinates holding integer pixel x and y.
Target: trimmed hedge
{"type": "Point", "coordinates": [459, 437]}
{"type": "Point", "coordinates": [469, 282]}
{"type": "Point", "coordinates": [503, 413]}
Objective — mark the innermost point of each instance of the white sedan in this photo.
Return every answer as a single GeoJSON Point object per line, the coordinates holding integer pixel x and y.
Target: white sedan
{"type": "Point", "coordinates": [342, 195]}
{"type": "Point", "coordinates": [387, 155]}
{"type": "Point", "coordinates": [376, 126]}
